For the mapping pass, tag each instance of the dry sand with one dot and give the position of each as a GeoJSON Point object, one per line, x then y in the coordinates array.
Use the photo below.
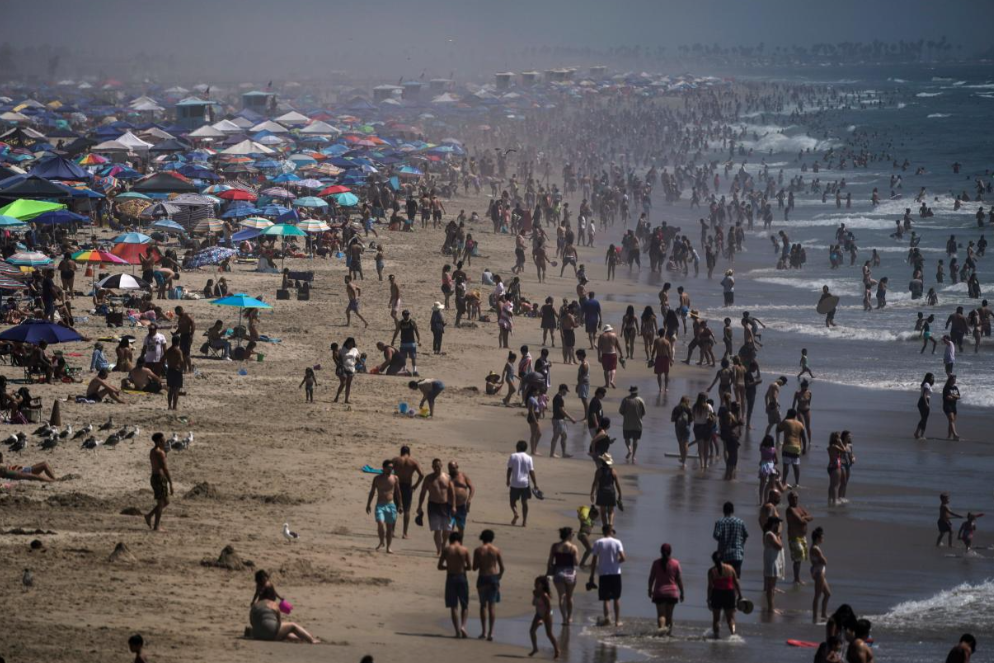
{"type": "Point", "coordinates": [262, 456]}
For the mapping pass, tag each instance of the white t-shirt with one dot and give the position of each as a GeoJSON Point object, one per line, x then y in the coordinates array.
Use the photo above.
{"type": "Point", "coordinates": [608, 551]}
{"type": "Point", "coordinates": [154, 348]}
{"type": "Point", "coordinates": [949, 356]}
{"type": "Point", "coordinates": [520, 464]}
{"type": "Point", "coordinates": [349, 358]}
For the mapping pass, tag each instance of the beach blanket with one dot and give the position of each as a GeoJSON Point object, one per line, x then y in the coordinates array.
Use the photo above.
{"type": "Point", "coordinates": [371, 470]}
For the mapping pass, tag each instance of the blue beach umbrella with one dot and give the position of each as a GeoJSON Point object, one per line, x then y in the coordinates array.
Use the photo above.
{"type": "Point", "coordinates": [132, 238]}
{"type": "Point", "coordinates": [36, 331]}
{"type": "Point", "coordinates": [346, 199]}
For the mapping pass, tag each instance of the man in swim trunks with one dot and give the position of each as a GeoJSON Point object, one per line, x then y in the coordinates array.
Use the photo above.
{"type": "Point", "coordinates": [441, 495]}
{"type": "Point", "coordinates": [174, 373]}
{"type": "Point", "coordinates": [99, 388]}
{"type": "Point", "coordinates": [608, 351]}
{"type": "Point", "coordinates": [797, 533]}
{"type": "Point", "coordinates": [454, 560]}
{"type": "Point", "coordinates": [489, 562]}
{"type": "Point", "coordinates": [773, 406]}
{"type": "Point", "coordinates": [36, 472]}
{"type": "Point", "coordinates": [353, 291]}
{"type": "Point", "coordinates": [465, 491]}
{"type": "Point", "coordinates": [405, 467]}
{"type": "Point", "coordinates": [795, 441]}
{"type": "Point", "coordinates": [395, 303]}
{"type": "Point", "coordinates": [161, 480]}
{"type": "Point", "coordinates": [386, 487]}
{"type": "Point", "coordinates": [591, 309]}
{"type": "Point", "coordinates": [662, 358]}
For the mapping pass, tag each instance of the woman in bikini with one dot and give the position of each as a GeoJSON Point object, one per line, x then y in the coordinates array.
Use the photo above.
{"type": "Point", "coordinates": [819, 565]}
{"type": "Point", "coordinates": [564, 557]}
{"type": "Point", "coordinates": [835, 453]}
{"type": "Point", "coordinates": [802, 403]}
{"type": "Point", "coordinates": [629, 331]}
{"type": "Point", "coordinates": [649, 327]}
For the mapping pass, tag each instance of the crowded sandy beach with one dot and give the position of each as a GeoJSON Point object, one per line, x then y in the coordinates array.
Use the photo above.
{"type": "Point", "coordinates": [589, 363]}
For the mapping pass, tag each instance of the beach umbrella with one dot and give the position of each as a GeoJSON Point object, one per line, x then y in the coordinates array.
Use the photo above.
{"type": "Point", "coordinates": [36, 331]}
{"type": "Point", "coordinates": [10, 222]}
{"type": "Point", "coordinates": [133, 253]}
{"type": "Point", "coordinates": [93, 160]}
{"type": "Point", "coordinates": [240, 209]}
{"type": "Point", "coordinates": [242, 301]}
{"type": "Point", "coordinates": [283, 230]}
{"type": "Point", "coordinates": [168, 225]}
{"type": "Point", "coordinates": [256, 223]}
{"type": "Point", "coordinates": [313, 226]}
{"type": "Point", "coordinates": [310, 201]}
{"type": "Point", "coordinates": [7, 283]}
{"type": "Point", "coordinates": [335, 188]}
{"type": "Point", "coordinates": [238, 194]}
{"type": "Point", "coordinates": [310, 184]}
{"type": "Point", "coordinates": [217, 188]}
{"type": "Point", "coordinates": [209, 226]}
{"type": "Point", "coordinates": [59, 217]}
{"type": "Point", "coordinates": [26, 209]}
{"type": "Point", "coordinates": [278, 192]}
{"type": "Point", "coordinates": [123, 282]}
{"type": "Point", "coordinates": [98, 257]}
{"type": "Point", "coordinates": [244, 234]}
{"type": "Point", "coordinates": [131, 195]}
{"type": "Point", "coordinates": [132, 238]}
{"type": "Point", "coordinates": [346, 199]}
{"type": "Point", "coordinates": [215, 255]}
{"type": "Point", "coordinates": [273, 210]}
{"type": "Point", "coordinates": [29, 259]}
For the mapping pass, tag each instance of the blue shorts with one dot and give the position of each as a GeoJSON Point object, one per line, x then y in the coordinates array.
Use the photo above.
{"type": "Point", "coordinates": [459, 517]}
{"type": "Point", "coordinates": [386, 513]}
{"type": "Point", "coordinates": [409, 350]}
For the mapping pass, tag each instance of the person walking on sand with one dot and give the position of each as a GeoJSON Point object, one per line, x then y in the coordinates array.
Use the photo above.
{"type": "Point", "coordinates": [388, 504]}
{"type": "Point", "coordinates": [608, 354]}
{"type": "Point", "coordinates": [542, 600]}
{"type": "Point", "coordinates": [797, 534]}
{"type": "Point", "coordinates": [174, 363]}
{"type": "Point", "coordinates": [724, 593]}
{"type": "Point", "coordinates": [465, 492]}
{"type": "Point", "coordinates": [454, 560]}
{"type": "Point", "coordinates": [772, 402]}
{"type": "Point", "coordinates": [730, 533]}
{"type": "Point", "coordinates": [395, 303]}
{"type": "Point", "coordinates": [559, 417]}
{"type": "Point", "coordinates": [405, 468]}
{"type": "Point", "coordinates": [162, 481]}
{"type": "Point", "coordinates": [564, 558]}
{"type": "Point", "coordinates": [591, 309]}
{"type": "Point", "coordinates": [354, 292]}
{"type": "Point", "coordinates": [819, 568]}
{"type": "Point", "coordinates": [632, 412]}
{"type": "Point", "coordinates": [665, 588]}
{"type": "Point", "coordinates": [441, 494]}
{"type": "Point", "coordinates": [605, 492]}
{"type": "Point", "coordinates": [609, 555]}
{"type": "Point", "coordinates": [772, 565]}
{"type": "Point", "coordinates": [662, 359]}
{"type": "Point", "coordinates": [520, 479]}
{"type": "Point", "coordinates": [489, 564]}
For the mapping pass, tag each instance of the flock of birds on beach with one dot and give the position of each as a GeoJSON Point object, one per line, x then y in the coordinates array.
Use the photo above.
{"type": "Point", "coordinates": [50, 437]}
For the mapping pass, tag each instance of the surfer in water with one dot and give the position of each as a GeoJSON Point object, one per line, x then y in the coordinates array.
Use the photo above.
{"type": "Point", "coordinates": [827, 305]}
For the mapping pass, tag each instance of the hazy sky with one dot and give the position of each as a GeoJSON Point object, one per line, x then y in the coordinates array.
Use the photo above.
{"type": "Point", "coordinates": [249, 37]}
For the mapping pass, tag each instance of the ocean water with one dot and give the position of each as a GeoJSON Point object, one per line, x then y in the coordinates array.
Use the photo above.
{"type": "Point", "coordinates": [933, 116]}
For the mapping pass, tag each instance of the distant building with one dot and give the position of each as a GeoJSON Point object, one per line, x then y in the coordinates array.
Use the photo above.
{"type": "Point", "coordinates": [439, 85]}
{"type": "Point", "coordinates": [384, 92]}
{"type": "Point", "coordinates": [529, 78]}
{"type": "Point", "coordinates": [412, 90]}
{"type": "Point", "coordinates": [194, 112]}
{"type": "Point", "coordinates": [259, 102]}
{"type": "Point", "coordinates": [598, 72]}
{"type": "Point", "coordinates": [503, 80]}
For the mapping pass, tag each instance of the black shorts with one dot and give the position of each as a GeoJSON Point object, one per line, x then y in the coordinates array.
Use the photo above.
{"type": "Point", "coordinates": [406, 494]}
{"type": "Point", "coordinates": [185, 343]}
{"type": "Point", "coordinates": [723, 599]}
{"type": "Point", "coordinates": [456, 591]}
{"type": "Point", "coordinates": [174, 379]}
{"type": "Point", "coordinates": [665, 600]}
{"type": "Point", "coordinates": [523, 494]}
{"type": "Point", "coordinates": [632, 434]}
{"type": "Point", "coordinates": [609, 588]}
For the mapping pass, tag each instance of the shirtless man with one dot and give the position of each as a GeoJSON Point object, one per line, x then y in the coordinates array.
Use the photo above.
{"type": "Point", "coordinates": [465, 491]}
{"type": "Point", "coordinates": [661, 359]}
{"type": "Point", "coordinates": [441, 495]}
{"type": "Point", "coordinates": [354, 292]}
{"type": "Point", "coordinates": [490, 564]}
{"type": "Point", "coordinates": [99, 388]}
{"type": "Point", "coordinates": [162, 481]}
{"type": "Point", "coordinates": [174, 373]}
{"type": "Point", "coordinates": [405, 467]}
{"type": "Point", "coordinates": [797, 534]}
{"type": "Point", "coordinates": [37, 472]}
{"type": "Point", "coordinates": [769, 510]}
{"type": "Point", "coordinates": [395, 303]}
{"type": "Point", "coordinates": [141, 378]}
{"type": "Point", "coordinates": [454, 560]}
{"type": "Point", "coordinates": [772, 402]}
{"type": "Point", "coordinates": [386, 487]}
{"type": "Point", "coordinates": [795, 443]}
{"type": "Point", "coordinates": [684, 307]}
{"type": "Point", "coordinates": [859, 651]}
{"type": "Point", "coordinates": [608, 351]}
{"type": "Point", "coordinates": [726, 381]}
{"type": "Point", "coordinates": [185, 327]}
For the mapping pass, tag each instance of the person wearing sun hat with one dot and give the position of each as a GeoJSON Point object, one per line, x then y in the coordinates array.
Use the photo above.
{"type": "Point", "coordinates": [605, 492]}
{"type": "Point", "coordinates": [437, 326]}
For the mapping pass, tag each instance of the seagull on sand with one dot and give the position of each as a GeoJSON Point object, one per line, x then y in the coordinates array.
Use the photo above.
{"type": "Point", "coordinates": [289, 535]}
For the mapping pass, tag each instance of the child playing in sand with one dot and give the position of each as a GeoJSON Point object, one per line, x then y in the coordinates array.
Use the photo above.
{"type": "Point", "coordinates": [805, 366]}
{"type": "Point", "coordinates": [542, 600]}
{"type": "Point", "coordinates": [968, 529]}
{"type": "Point", "coordinates": [308, 383]}
{"type": "Point", "coordinates": [945, 523]}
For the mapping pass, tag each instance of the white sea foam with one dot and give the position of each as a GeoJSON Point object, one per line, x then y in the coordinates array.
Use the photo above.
{"type": "Point", "coordinates": [897, 80]}
{"type": "Point", "coordinates": [938, 115]}
{"type": "Point", "coordinates": [928, 94]}
{"type": "Point", "coordinates": [840, 331]}
{"type": "Point", "coordinates": [966, 607]}
{"type": "Point", "coordinates": [958, 83]}
{"type": "Point", "coordinates": [981, 86]}
{"type": "Point", "coordinates": [901, 105]}
{"type": "Point", "coordinates": [940, 79]}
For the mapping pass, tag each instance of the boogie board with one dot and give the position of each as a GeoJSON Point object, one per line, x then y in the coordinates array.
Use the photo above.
{"type": "Point", "coordinates": [827, 304]}
{"type": "Point", "coordinates": [802, 643]}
